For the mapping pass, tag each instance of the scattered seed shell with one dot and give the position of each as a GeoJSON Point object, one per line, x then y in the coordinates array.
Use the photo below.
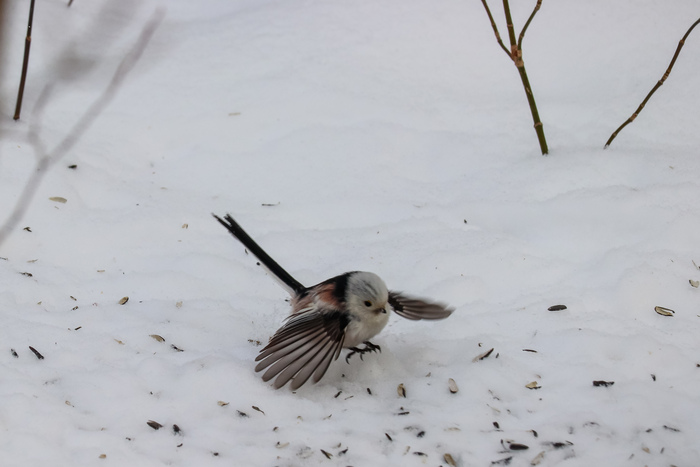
{"type": "Point", "coordinates": [664, 311]}
{"type": "Point", "coordinates": [58, 199]}
{"type": "Point", "coordinates": [695, 284]}
{"type": "Point", "coordinates": [517, 446]}
{"type": "Point", "coordinates": [602, 383]}
{"type": "Point", "coordinates": [153, 424]}
{"type": "Point", "coordinates": [223, 404]}
{"type": "Point", "coordinates": [36, 352]}
{"type": "Point", "coordinates": [157, 337]}
{"type": "Point", "coordinates": [483, 355]}
{"type": "Point", "coordinates": [401, 390]}
{"type": "Point", "coordinates": [537, 459]}
{"type": "Point", "coordinates": [556, 308]}
{"type": "Point", "coordinates": [532, 385]}
{"type": "Point", "coordinates": [103, 456]}
{"type": "Point", "coordinates": [123, 300]}
{"type": "Point", "coordinates": [449, 460]}
{"type": "Point", "coordinates": [452, 385]}
{"type": "Point", "coordinates": [504, 461]}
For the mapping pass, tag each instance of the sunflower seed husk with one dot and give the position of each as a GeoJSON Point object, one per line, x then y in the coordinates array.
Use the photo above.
{"type": "Point", "coordinates": [664, 311]}
{"type": "Point", "coordinates": [153, 424]}
{"type": "Point", "coordinates": [401, 390]}
{"type": "Point", "coordinates": [36, 352]}
{"type": "Point", "coordinates": [538, 458]}
{"type": "Point", "coordinates": [483, 355]}
{"type": "Point", "coordinates": [452, 385]}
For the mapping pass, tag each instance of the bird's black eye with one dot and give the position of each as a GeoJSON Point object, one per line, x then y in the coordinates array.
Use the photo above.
{"type": "Point", "coordinates": [368, 303]}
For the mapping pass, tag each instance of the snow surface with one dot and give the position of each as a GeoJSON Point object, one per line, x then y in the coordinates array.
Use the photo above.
{"type": "Point", "coordinates": [391, 136]}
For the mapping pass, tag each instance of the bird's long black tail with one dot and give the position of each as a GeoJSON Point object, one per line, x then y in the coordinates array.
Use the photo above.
{"type": "Point", "coordinates": [283, 276]}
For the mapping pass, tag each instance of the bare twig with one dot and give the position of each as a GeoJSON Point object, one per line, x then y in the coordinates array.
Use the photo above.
{"type": "Point", "coordinates": [495, 28]}
{"type": "Point", "coordinates": [516, 54]}
{"type": "Point", "coordinates": [46, 160]}
{"type": "Point", "coordinates": [657, 86]}
{"type": "Point", "coordinates": [527, 23]}
{"type": "Point", "coordinates": [25, 62]}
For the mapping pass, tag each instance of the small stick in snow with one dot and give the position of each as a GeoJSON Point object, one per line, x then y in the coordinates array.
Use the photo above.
{"type": "Point", "coordinates": [657, 86]}
{"type": "Point", "coordinates": [25, 61]}
{"type": "Point", "coordinates": [516, 54]}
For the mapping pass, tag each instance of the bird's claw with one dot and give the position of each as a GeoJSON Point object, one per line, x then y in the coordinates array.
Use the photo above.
{"type": "Point", "coordinates": [369, 347]}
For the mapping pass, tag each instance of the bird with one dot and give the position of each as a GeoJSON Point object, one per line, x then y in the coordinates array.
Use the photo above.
{"type": "Point", "coordinates": [344, 311]}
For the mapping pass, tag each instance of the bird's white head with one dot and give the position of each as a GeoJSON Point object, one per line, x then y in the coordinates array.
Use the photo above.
{"type": "Point", "coordinates": [366, 293]}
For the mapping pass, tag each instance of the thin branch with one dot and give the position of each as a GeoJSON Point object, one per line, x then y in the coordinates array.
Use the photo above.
{"type": "Point", "coordinates": [657, 86]}
{"type": "Point", "coordinates": [516, 54]}
{"type": "Point", "coordinates": [509, 25]}
{"type": "Point", "coordinates": [82, 125]}
{"type": "Point", "coordinates": [495, 28]}
{"type": "Point", "coordinates": [25, 62]}
{"type": "Point", "coordinates": [527, 23]}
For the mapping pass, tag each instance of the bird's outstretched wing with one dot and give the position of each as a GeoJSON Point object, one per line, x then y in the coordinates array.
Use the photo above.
{"type": "Point", "coordinates": [417, 308]}
{"type": "Point", "coordinates": [306, 345]}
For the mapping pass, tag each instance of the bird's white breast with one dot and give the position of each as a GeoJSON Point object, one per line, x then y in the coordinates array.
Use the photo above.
{"type": "Point", "coordinates": [359, 331]}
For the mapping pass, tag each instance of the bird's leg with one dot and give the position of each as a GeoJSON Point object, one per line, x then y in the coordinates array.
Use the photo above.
{"type": "Point", "coordinates": [369, 347]}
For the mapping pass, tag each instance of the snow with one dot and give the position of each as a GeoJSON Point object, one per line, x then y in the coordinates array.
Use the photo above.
{"type": "Point", "coordinates": [386, 136]}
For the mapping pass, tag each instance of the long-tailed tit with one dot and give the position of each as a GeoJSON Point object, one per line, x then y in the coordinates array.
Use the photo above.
{"type": "Point", "coordinates": [341, 312]}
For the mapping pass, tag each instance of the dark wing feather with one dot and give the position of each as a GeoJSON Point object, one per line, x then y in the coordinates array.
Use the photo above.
{"type": "Point", "coordinates": [306, 345]}
{"type": "Point", "coordinates": [417, 308]}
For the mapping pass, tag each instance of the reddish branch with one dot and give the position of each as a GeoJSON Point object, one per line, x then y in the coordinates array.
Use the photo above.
{"type": "Point", "coordinates": [657, 86]}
